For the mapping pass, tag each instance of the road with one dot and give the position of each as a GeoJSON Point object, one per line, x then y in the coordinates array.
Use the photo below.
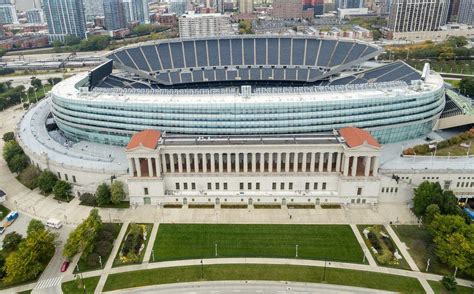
{"type": "Point", "coordinates": [26, 79]}
{"type": "Point", "coordinates": [249, 287]}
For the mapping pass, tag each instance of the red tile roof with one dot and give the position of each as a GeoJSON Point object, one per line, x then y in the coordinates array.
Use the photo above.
{"type": "Point", "coordinates": [147, 138]}
{"type": "Point", "coordinates": [355, 137]}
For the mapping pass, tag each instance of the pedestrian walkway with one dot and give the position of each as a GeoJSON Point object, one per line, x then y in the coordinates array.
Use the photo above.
{"type": "Point", "coordinates": [151, 242]}
{"type": "Point", "coordinates": [362, 244]}
{"type": "Point", "coordinates": [110, 262]}
{"type": "Point", "coordinates": [48, 283]}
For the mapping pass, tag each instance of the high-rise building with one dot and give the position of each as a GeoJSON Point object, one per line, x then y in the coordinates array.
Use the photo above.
{"type": "Point", "coordinates": [93, 8]}
{"type": "Point", "coordinates": [316, 5]}
{"type": "Point", "coordinates": [115, 17]}
{"type": "Point", "coordinates": [350, 4]}
{"type": "Point", "coordinates": [35, 15]}
{"type": "Point", "coordinates": [417, 15]}
{"type": "Point", "coordinates": [245, 6]}
{"type": "Point", "coordinates": [136, 10]}
{"type": "Point", "coordinates": [7, 12]}
{"type": "Point", "coordinates": [453, 10]}
{"type": "Point", "coordinates": [178, 7]}
{"type": "Point", "coordinates": [204, 25]}
{"type": "Point", "coordinates": [65, 17]}
{"type": "Point", "coordinates": [466, 12]}
{"type": "Point", "coordinates": [24, 5]}
{"type": "Point", "coordinates": [287, 9]}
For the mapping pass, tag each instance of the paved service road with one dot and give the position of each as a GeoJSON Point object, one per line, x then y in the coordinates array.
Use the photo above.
{"type": "Point", "coordinates": [250, 288]}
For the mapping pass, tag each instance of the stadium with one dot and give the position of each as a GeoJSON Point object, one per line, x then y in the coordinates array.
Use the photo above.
{"type": "Point", "coordinates": [247, 85]}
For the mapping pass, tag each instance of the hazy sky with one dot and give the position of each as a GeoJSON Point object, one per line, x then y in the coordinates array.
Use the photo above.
{"type": "Point", "coordinates": [23, 5]}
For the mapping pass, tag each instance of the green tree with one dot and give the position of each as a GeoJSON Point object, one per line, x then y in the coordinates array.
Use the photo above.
{"type": "Point", "coordinates": [71, 40]}
{"type": "Point", "coordinates": [466, 86]}
{"type": "Point", "coordinates": [12, 241]}
{"type": "Point", "coordinates": [54, 81]}
{"type": "Point", "coordinates": [2, 52]}
{"type": "Point", "coordinates": [81, 239]}
{"type": "Point", "coordinates": [62, 190]}
{"type": "Point", "coordinates": [36, 83]}
{"type": "Point", "coordinates": [57, 45]}
{"type": "Point", "coordinates": [18, 163]}
{"type": "Point", "coordinates": [102, 194]}
{"type": "Point", "coordinates": [431, 211]}
{"type": "Point", "coordinates": [33, 226]}
{"type": "Point", "coordinates": [424, 195]}
{"type": "Point", "coordinates": [10, 149]}
{"type": "Point", "coordinates": [8, 136]}
{"type": "Point", "coordinates": [449, 282]}
{"type": "Point", "coordinates": [116, 192]}
{"type": "Point", "coordinates": [31, 258]}
{"type": "Point", "coordinates": [46, 181]}
{"type": "Point", "coordinates": [95, 43]}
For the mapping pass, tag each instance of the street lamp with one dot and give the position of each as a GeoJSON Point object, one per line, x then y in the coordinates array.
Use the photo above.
{"type": "Point", "coordinates": [202, 270]}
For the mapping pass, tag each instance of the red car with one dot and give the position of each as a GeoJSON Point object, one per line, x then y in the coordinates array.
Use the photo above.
{"type": "Point", "coordinates": [64, 266]}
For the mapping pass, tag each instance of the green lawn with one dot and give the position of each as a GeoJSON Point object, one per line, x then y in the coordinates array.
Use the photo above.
{"type": "Point", "coordinates": [403, 264]}
{"type": "Point", "coordinates": [454, 83]}
{"type": "Point", "coordinates": [194, 241]}
{"type": "Point", "coordinates": [4, 211]}
{"type": "Point", "coordinates": [262, 272]}
{"type": "Point", "coordinates": [118, 262]}
{"type": "Point", "coordinates": [456, 150]}
{"type": "Point", "coordinates": [72, 286]}
{"type": "Point", "coordinates": [421, 248]}
{"type": "Point", "coordinates": [438, 288]}
{"type": "Point", "coordinates": [449, 66]}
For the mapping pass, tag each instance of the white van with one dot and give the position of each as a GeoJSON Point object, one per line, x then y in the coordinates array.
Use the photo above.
{"type": "Point", "coordinates": [54, 223]}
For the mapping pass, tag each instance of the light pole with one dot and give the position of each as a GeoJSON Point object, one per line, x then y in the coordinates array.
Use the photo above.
{"type": "Point", "coordinates": [427, 265]}
{"type": "Point", "coordinates": [202, 270]}
{"type": "Point", "coordinates": [216, 249]}
{"type": "Point", "coordinates": [296, 251]}
{"type": "Point", "coordinates": [153, 255]}
{"type": "Point", "coordinates": [100, 261]}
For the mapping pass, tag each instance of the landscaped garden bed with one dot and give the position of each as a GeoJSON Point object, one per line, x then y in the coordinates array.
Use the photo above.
{"type": "Point", "coordinates": [267, 206]}
{"type": "Point", "coordinates": [330, 206]}
{"type": "Point", "coordinates": [234, 206]}
{"type": "Point", "coordinates": [134, 244]}
{"type": "Point", "coordinates": [301, 206]}
{"type": "Point", "coordinates": [382, 247]}
{"type": "Point", "coordinates": [173, 206]}
{"type": "Point", "coordinates": [201, 206]}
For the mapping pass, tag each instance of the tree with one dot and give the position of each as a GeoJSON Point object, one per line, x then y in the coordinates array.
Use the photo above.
{"type": "Point", "coordinates": [8, 136]}
{"type": "Point", "coordinates": [95, 43]}
{"type": "Point", "coordinates": [82, 238]}
{"type": "Point", "coordinates": [2, 52]}
{"type": "Point", "coordinates": [71, 40]}
{"type": "Point", "coordinates": [46, 181]}
{"type": "Point", "coordinates": [424, 195]}
{"type": "Point", "coordinates": [12, 241]}
{"type": "Point", "coordinates": [88, 199]}
{"type": "Point", "coordinates": [10, 149]}
{"type": "Point", "coordinates": [57, 45]}
{"type": "Point", "coordinates": [466, 86]}
{"type": "Point", "coordinates": [18, 163]}
{"type": "Point", "coordinates": [31, 258]}
{"type": "Point", "coordinates": [116, 192]}
{"type": "Point", "coordinates": [33, 226]}
{"type": "Point", "coordinates": [54, 81]}
{"type": "Point", "coordinates": [431, 211]}
{"type": "Point", "coordinates": [62, 190]}
{"type": "Point", "coordinates": [449, 282]}
{"type": "Point", "coordinates": [102, 194]}
{"type": "Point", "coordinates": [36, 83]}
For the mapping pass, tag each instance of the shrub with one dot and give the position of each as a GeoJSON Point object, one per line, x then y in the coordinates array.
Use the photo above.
{"type": "Point", "coordinates": [409, 151]}
{"type": "Point", "coordinates": [111, 228]}
{"type": "Point", "coordinates": [449, 282]}
{"type": "Point", "coordinates": [421, 149]}
{"type": "Point", "coordinates": [88, 199]}
{"type": "Point", "coordinates": [62, 190]}
{"type": "Point", "coordinates": [134, 240]}
{"type": "Point", "coordinates": [389, 244]}
{"type": "Point", "coordinates": [117, 193]}
{"type": "Point", "coordinates": [8, 136]}
{"type": "Point", "coordinates": [10, 149]}
{"type": "Point", "coordinates": [46, 181]}
{"type": "Point", "coordinates": [103, 248]}
{"type": "Point", "coordinates": [374, 240]}
{"type": "Point", "coordinates": [105, 236]}
{"type": "Point", "coordinates": [443, 144]}
{"type": "Point", "coordinates": [18, 163]}
{"type": "Point", "coordinates": [93, 259]}
{"type": "Point", "coordinates": [29, 177]}
{"type": "Point", "coordinates": [102, 194]}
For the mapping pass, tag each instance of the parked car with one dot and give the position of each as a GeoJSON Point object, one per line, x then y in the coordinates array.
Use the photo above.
{"type": "Point", "coordinates": [2, 229]}
{"type": "Point", "coordinates": [64, 266]}
{"type": "Point", "coordinates": [3, 196]}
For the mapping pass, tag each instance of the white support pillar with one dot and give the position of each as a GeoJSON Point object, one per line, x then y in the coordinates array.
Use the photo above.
{"type": "Point", "coordinates": [213, 163]}
{"type": "Point", "coordinates": [278, 162]}
{"type": "Point", "coordinates": [303, 167]}
{"type": "Point", "coordinates": [262, 162]}
{"type": "Point", "coordinates": [354, 166]}
{"type": "Point", "coordinates": [196, 162]}
{"type": "Point", "coordinates": [131, 167]}
{"type": "Point", "coordinates": [295, 162]}
{"type": "Point", "coordinates": [287, 162]}
{"type": "Point", "coordinates": [158, 166]}
{"type": "Point", "coordinates": [321, 162]}
{"type": "Point", "coordinates": [375, 171]}
{"type": "Point", "coordinates": [270, 162]}
{"type": "Point", "coordinates": [254, 162]}
{"type": "Point", "coordinates": [138, 167]}
{"type": "Point", "coordinates": [163, 160]}
{"type": "Point", "coordinates": [204, 162]}
{"type": "Point", "coordinates": [330, 155]}
{"type": "Point", "coordinates": [368, 163]}
{"type": "Point", "coordinates": [338, 162]}
{"type": "Point", "coordinates": [313, 162]}
{"type": "Point", "coordinates": [221, 163]}
{"type": "Point", "coordinates": [246, 163]}
{"type": "Point", "coordinates": [172, 167]}
{"type": "Point", "coordinates": [237, 162]}
{"type": "Point", "coordinates": [346, 165]}
{"type": "Point", "coordinates": [229, 162]}
{"type": "Point", "coordinates": [188, 163]}
{"type": "Point", "coordinates": [150, 167]}
{"type": "Point", "coordinates": [180, 163]}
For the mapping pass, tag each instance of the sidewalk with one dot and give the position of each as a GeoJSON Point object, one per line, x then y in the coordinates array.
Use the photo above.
{"type": "Point", "coordinates": [151, 242]}
{"type": "Point", "coordinates": [362, 244]}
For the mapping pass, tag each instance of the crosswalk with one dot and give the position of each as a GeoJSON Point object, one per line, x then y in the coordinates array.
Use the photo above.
{"type": "Point", "coordinates": [48, 283]}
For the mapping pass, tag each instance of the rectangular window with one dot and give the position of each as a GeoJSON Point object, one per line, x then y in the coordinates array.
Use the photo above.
{"type": "Point", "coordinates": [217, 186]}
{"type": "Point", "coordinates": [225, 186]}
{"type": "Point", "coordinates": [193, 186]}
{"type": "Point", "coordinates": [383, 189]}
{"type": "Point", "coordinates": [257, 186]}
{"type": "Point", "coordinates": [66, 177]}
{"type": "Point", "coordinates": [472, 184]}
{"type": "Point", "coordinates": [209, 186]}
{"type": "Point", "coordinates": [462, 184]}
{"type": "Point", "coordinates": [249, 186]}
{"type": "Point", "coordinates": [315, 186]}
{"type": "Point", "coordinates": [447, 184]}
{"type": "Point", "coordinates": [59, 175]}
{"type": "Point", "coordinates": [306, 186]}
{"type": "Point", "coordinates": [185, 186]}
{"type": "Point", "coordinates": [324, 185]}
{"type": "Point", "coordinates": [457, 184]}
{"type": "Point", "coordinates": [391, 190]}
{"type": "Point", "coordinates": [177, 186]}
{"type": "Point", "coordinates": [290, 186]}
{"type": "Point", "coordinates": [396, 189]}
{"type": "Point", "coordinates": [74, 179]}
{"type": "Point", "coordinates": [359, 191]}
{"type": "Point", "coordinates": [241, 186]}
{"type": "Point", "coordinates": [145, 191]}
{"type": "Point", "coordinates": [274, 186]}
{"type": "Point", "coordinates": [282, 186]}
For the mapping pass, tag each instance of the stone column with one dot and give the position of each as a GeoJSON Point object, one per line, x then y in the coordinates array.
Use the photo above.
{"type": "Point", "coordinates": [229, 163]}
{"type": "Point", "coordinates": [375, 170]}
{"type": "Point", "coordinates": [246, 163]}
{"type": "Point", "coordinates": [262, 162]}
{"type": "Point", "coordinates": [330, 155]}
{"type": "Point", "coordinates": [163, 160]}
{"type": "Point", "coordinates": [138, 167]}
{"type": "Point", "coordinates": [213, 163]}
{"type": "Point", "coordinates": [150, 167]}
{"type": "Point", "coordinates": [295, 162]}
{"type": "Point", "coordinates": [204, 162]}
{"type": "Point", "coordinates": [354, 166]}
{"type": "Point", "coordinates": [346, 165]}
{"type": "Point", "coordinates": [158, 165]}
{"type": "Point", "coordinates": [172, 162]}
{"type": "Point", "coordinates": [338, 162]}
{"type": "Point", "coordinates": [313, 162]}
{"type": "Point", "coordinates": [196, 162]}
{"type": "Point", "coordinates": [278, 162]}
{"type": "Point", "coordinates": [303, 167]}
{"type": "Point", "coordinates": [368, 163]}
{"type": "Point", "coordinates": [254, 162]}
{"type": "Point", "coordinates": [131, 167]}
{"type": "Point", "coordinates": [321, 161]}
{"type": "Point", "coordinates": [270, 162]}
{"type": "Point", "coordinates": [287, 162]}
{"type": "Point", "coordinates": [188, 163]}
{"type": "Point", "coordinates": [180, 163]}
{"type": "Point", "coordinates": [237, 162]}
{"type": "Point", "coordinates": [221, 163]}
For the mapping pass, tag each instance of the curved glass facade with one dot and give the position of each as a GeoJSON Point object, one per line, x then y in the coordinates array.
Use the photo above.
{"type": "Point", "coordinates": [388, 118]}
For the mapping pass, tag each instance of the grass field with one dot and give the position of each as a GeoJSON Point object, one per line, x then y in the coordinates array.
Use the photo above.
{"type": "Point", "coordinates": [194, 241]}
{"type": "Point", "coordinates": [438, 288]}
{"type": "Point", "coordinates": [72, 286]}
{"type": "Point", "coordinates": [263, 272]}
